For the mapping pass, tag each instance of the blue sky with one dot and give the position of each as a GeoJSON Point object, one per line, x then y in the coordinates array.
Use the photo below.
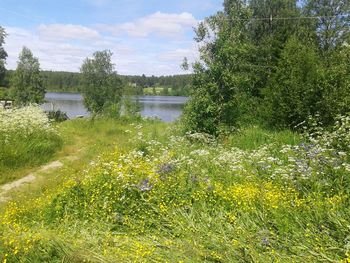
{"type": "Point", "coordinates": [146, 36]}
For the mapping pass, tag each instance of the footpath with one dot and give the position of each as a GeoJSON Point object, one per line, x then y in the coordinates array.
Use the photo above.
{"type": "Point", "coordinates": [30, 178]}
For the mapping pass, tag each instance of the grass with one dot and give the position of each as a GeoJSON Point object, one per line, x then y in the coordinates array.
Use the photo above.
{"type": "Point", "coordinates": [100, 135]}
{"type": "Point", "coordinates": [158, 90]}
{"type": "Point", "coordinates": [27, 140]}
{"type": "Point", "coordinates": [141, 192]}
{"type": "Point", "coordinates": [252, 137]}
{"type": "Point", "coordinates": [25, 154]}
{"type": "Point", "coordinates": [81, 140]}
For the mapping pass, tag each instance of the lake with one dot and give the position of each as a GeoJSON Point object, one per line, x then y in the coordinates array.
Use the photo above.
{"type": "Point", "coordinates": [167, 108]}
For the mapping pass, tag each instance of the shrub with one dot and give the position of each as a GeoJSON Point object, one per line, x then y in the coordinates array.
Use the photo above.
{"type": "Point", "coordinates": [57, 115]}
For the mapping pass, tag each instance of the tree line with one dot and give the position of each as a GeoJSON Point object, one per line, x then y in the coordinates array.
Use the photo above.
{"type": "Point", "coordinates": [60, 81]}
{"type": "Point", "coordinates": [176, 85]}
{"type": "Point", "coordinates": [274, 62]}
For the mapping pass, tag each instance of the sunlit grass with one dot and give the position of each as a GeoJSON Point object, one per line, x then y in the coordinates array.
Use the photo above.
{"type": "Point", "coordinates": [155, 91]}
{"type": "Point", "coordinates": [141, 192]}
{"type": "Point", "coordinates": [252, 137]}
{"type": "Point", "coordinates": [27, 139]}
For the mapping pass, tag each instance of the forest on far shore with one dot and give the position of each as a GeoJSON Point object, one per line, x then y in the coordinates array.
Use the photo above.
{"type": "Point", "coordinates": [60, 81]}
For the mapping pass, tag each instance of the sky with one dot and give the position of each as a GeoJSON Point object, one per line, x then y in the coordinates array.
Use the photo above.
{"type": "Point", "coordinates": [146, 36]}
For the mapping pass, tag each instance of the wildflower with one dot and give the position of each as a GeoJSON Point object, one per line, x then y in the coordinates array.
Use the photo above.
{"type": "Point", "coordinates": [165, 168]}
{"type": "Point", "coordinates": [24, 121]}
{"type": "Point", "coordinates": [145, 185]}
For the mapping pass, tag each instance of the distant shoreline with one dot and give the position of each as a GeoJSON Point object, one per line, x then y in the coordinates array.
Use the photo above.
{"type": "Point", "coordinates": [61, 91]}
{"type": "Point", "coordinates": [153, 95]}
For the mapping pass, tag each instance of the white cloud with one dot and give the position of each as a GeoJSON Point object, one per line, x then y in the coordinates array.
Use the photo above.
{"type": "Point", "coordinates": [169, 61]}
{"type": "Point", "coordinates": [64, 47]}
{"type": "Point", "coordinates": [53, 54]}
{"type": "Point", "coordinates": [67, 31]}
{"type": "Point", "coordinates": [179, 54]}
{"type": "Point", "coordinates": [160, 24]}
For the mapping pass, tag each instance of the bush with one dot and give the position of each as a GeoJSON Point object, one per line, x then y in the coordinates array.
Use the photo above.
{"type": "Point", "coordinates": [4, 93]}
{"type": "Point", "coordinates": [294, 92]}
{"type": "Point", "coordinates": [57, 116]}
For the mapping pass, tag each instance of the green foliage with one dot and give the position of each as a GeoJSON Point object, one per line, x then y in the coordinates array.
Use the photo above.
{"type": "Point", "coordinates": [235, 66]}
{"type": "Point", "coordinates": [26, 82]}
{"type": "Point", "coordinates": [132, 89]}
{"type": "Point", "coordinates": [295, 91]}
{"type": "Point", "coordinates": [33, 150]}
{"type": "Point", "coordinates": [131, 107]}
{"type": "Point", "coordinates": [335, 85]}
{"type": "Point", "coordinates": [57, 81]}
{"type": "Point", "coordinates": [7, 78]}
{"type": "Point", "coordinates": [101, 86]}
{"type": "Point", "coordinates": [111, 110]}
{"type": "Point", "coordinates": [263, 60]}
{"type": "Point", "coordinates": [305, 84]}
{"type": "Point", "coordinates": [4, 93]}
{"type": "Point", "coordinates": [333, 29]}
{"type": "Point", "coordinates": [57, 115]}
{"type": "Point", "coordinates": [203, 113]}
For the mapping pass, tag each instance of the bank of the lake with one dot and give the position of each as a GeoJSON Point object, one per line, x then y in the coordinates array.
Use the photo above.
{"type": "Point", "coordinates": [167, 108]}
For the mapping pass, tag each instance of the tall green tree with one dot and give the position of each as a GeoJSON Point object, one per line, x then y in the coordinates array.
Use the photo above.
{"type": "Point", "coordinates": [100, 84]}
{"type": "Point", "coordinates": [291, 54]}
{"type": "Point", "coordinates": [333, 25]}
{"type": "Point", "coordinates": [336, 85]}
{"type": "Point", "coordinates": [272, 23]}
{"type": "Point", "coordinates": [240, 48]}
{"type": "Point", "coordinates": [26, 82]}
{"type": "Point", "coordinates": [3, 55]}
{"type": "Point", "coordinates": [221, 76]}
{"type": "Point", "coordinates": [295, 90]}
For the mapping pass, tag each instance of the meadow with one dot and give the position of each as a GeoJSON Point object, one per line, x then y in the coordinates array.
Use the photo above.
{"type": "Point", "coordinates": [27, 139]}
{"type": "Point", "coordinates": [143, 191]}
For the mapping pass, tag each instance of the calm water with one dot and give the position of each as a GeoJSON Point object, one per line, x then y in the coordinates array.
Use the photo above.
{"type": "Point", "coordinates": [167, 108]}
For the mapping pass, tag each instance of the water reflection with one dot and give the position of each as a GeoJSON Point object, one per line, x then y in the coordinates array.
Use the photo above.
{"type": "Point", "coordinates": [167, 108]}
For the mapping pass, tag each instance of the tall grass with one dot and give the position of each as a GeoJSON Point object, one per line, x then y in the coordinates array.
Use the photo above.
{"type": "Point", "coordinates": [27, 138]}
{"type": "Point", "coordinates": [162, 197]}
{"type": "Point", "coordinates": [253, 137]}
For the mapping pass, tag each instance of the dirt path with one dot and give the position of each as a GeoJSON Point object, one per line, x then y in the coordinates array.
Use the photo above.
{"type": "Point", "coordinates": [30, 178]}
